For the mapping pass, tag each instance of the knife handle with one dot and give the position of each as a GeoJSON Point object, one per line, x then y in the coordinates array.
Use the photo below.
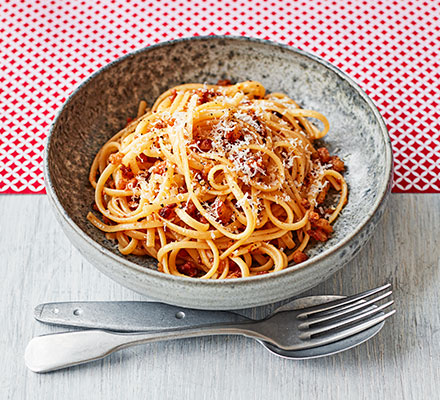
{"type": "Point", "coordinates": [131, 316]}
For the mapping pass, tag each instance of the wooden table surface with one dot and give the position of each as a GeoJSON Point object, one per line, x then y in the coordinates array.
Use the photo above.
{"type": "Point", "coordinates": [38, 264]}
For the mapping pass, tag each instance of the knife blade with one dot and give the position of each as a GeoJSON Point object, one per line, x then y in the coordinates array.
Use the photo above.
{"type": "Point", "coordinates": [130, 316]}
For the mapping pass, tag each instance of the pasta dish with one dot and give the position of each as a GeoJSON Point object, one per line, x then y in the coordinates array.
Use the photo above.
{"type": "Point", "coordinates": [218, 181]}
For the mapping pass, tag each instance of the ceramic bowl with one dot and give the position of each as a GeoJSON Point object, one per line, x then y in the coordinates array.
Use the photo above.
{"type": "Point", "coordinates": [101, 105]}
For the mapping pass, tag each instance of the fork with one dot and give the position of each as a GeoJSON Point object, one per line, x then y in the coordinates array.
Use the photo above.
{"type": "Point", "coordinates": [285, 329]}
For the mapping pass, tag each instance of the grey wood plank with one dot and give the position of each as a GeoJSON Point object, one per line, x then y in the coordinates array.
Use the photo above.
{"type": "Point", "coordinates": [38, 264]}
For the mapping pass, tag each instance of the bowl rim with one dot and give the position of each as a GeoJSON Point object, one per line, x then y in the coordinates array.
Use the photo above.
{"type": "Point", "coordinates": [154, 274]}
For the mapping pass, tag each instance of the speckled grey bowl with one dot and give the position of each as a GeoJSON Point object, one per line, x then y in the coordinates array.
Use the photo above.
{"type": "Point", "coordinates": [101, 105]}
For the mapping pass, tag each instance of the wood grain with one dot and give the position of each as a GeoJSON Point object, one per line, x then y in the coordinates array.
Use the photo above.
{"type": "Point", "coordinates": [38, 264]}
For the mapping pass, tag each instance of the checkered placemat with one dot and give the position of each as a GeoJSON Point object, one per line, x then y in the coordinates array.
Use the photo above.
{"type": "Point", "coordinates": [391, 48]}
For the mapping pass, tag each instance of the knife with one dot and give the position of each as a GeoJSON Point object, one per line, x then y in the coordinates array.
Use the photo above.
{"type": "Point", "coordinates": [131, 316]}
{"type": "Point", "coordinates": [135, 316]}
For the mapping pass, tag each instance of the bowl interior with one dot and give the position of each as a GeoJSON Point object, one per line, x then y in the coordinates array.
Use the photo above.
{"type": "Point", "coordinates": [100, 107]}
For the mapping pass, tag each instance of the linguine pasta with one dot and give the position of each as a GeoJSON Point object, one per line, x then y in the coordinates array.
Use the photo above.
{"type": "Point", "coordinates": [218, 181]}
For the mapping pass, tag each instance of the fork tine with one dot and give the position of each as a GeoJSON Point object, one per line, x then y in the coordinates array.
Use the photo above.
{"type": "Point", "coordinates": [320, 341]}
{"type": "Point", "coordinates": [339, 312]}
{"type": "Point", "coordinates": [338, 303]}
{"type": "Point", "coordinates": [358, 317]}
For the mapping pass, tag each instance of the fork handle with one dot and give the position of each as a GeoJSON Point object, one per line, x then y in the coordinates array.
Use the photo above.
{"type": "Point", "coordinates": [60, 350]}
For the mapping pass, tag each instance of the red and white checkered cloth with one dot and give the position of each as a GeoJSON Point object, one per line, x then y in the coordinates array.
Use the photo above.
{"type": "Point", "coordinates": [391, 48]}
